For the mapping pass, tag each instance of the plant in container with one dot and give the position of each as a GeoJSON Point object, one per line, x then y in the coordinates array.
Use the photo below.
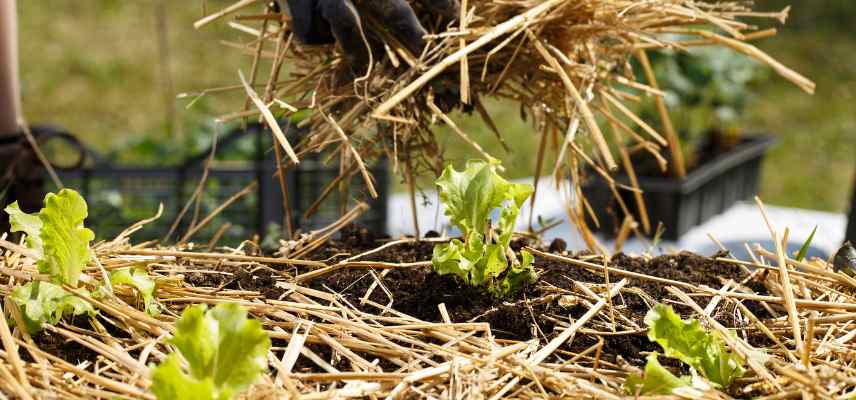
{"type": "Point", "coordinates": [711, 163]}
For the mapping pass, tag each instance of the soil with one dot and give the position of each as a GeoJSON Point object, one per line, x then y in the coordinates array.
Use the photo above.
{"type": "Point", "coordinates": [419, 291]}
{"type": "Point", "coordinates": [62, 347]}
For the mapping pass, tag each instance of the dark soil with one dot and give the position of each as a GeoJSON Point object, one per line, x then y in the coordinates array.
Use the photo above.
{"type": "Point", "coordinates": [61, 347]}
{"type": "Point", "coordinates": [419, 291]}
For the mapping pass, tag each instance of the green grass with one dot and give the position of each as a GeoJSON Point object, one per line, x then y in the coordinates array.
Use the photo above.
{"type": "Point", "coordinates": [814, 162]}
{"type": "Point", "coordinates": [92, 67]}
{"type": "Point", "coordinates": [94, 70]}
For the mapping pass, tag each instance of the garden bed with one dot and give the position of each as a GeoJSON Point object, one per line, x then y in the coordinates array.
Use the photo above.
{"type": "Point", "coordinates": [366, 315]}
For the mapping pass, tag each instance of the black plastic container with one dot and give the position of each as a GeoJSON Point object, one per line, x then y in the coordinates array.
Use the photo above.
{"type": "Point", "coordinates": [682, 204]}
{"type": "Point", "coordinates": [120, 195]}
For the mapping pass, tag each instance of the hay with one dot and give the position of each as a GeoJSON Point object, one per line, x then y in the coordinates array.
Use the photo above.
{"type": "Point", "coordinates": [346, 351]}
{"type": "Point", "coordinates": [565, 63]}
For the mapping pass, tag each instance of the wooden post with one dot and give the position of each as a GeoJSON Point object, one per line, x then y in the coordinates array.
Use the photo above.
{"type": "Point", "coordinates": [10, 95]}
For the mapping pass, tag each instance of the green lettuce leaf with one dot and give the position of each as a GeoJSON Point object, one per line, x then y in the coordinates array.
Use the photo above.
{"type": "Point", "coordinates": [448, 258]}
{"type": "Point", "coordinates": [29, 224]}
{"type": "Point", "coordinates": [225, 353]}
{"type": "Point", "coordinates": [61, 244]}
{"type": "Point", "coordinates": [169, 382]}
{"type": "Point", "coordinates": [655, 380]}
{"type": "Point", "coordinates": [470, 195]}
{"type": "Point", "coordinates": [516, 276]}
{"type": "Point", "coordinates": [689, 342]}
{"type": "Point", "coordinates": [493, 264]}
{"type": "Point", "coordinates": [139, 279]}
{"type": "Point", "coordinates": [517, 195]}
{"type": "Point", "coordinates": [481, 259]}
{"type": "Point", "coordinates": [65, 240]}
{"type": "Point", "coordinates": [43, 302]}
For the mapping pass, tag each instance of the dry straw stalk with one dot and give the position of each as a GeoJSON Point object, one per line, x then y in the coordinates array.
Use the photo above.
{"type": "Point", "coordinates": [565, 63]}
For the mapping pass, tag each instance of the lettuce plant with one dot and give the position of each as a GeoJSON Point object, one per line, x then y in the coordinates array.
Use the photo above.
{"type": "Point", "coordinates": [138, 279]}
{"type": "Point", "coordinates": [484, 257]}
{"type": "Point", "coordinates": [224, 352]}
{"type": "Point", "coordinates": [60, 242]}
{"type": "Point", "coordinates": [56, 234]}
{"type": "Point", "coordinates": [655, 380]}
{"type": "Point", "coordinates": [47, 303]}
{"type": "Point", "coordinates": [704, 352]}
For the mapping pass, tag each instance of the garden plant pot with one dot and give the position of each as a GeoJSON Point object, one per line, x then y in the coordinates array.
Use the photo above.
{"type": "Point", "coordinates": [680, 205]}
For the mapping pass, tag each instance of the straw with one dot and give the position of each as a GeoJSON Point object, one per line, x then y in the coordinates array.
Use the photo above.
{"type": "Point", "coordinates": [559, 61]}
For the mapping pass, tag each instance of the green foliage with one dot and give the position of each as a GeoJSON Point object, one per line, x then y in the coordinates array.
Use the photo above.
{"type": "Point", "coordinates": [56, 234]}
{"type": "Point", "coordinates": [482, 259]}
{"type": "Point", "coordinates": [705, 352]}
{"type": "Point", "coordinates": [139, 279]}
{"type": "Point", "coordinates": [705, 87]}
{"type": "Point", "coordinates": [804, 248]}
{"type": "Point", "coordinates": [65, 240]}
{"type": "Point", "coordinates": [60, 242]}
{"type": "Point", "coordinates": [225, 353]}
{"type": "Point", "coordinates": [689, 342]}
{"type": "Point", "coordinates": [273, 234]}
{"type": "Point", "coordinates": [29, 224]}
{"type": "Point", "coordinates": [44, 302]}
{"type": "Point", "coordinates": [656, 380]}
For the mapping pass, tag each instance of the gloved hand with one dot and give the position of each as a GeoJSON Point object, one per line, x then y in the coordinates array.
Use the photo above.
{"type": "Point", "coordinates": [329, 21]}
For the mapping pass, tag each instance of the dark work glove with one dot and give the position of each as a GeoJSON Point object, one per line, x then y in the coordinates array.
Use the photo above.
{"type": "Point", "coordinates": [329, 21]}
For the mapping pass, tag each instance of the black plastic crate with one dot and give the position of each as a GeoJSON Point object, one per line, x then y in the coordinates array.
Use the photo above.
{"type": "Point", "coordinates": [681, 205]}
{"type": "Point", "coordinates": [119, 195]}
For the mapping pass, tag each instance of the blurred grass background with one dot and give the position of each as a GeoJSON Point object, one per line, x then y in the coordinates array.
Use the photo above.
{"type": "Point", "coordinates": [96, 68]}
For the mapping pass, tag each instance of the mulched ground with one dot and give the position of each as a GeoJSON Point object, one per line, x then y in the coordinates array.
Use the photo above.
{"type": "Point", "coordinates": [419, 291]}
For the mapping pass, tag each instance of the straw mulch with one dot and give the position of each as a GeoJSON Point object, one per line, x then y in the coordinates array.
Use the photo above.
{"type": "Point", "coordinates": [565, 63]}
{"type": "Point", "coordinates": [326, 347]}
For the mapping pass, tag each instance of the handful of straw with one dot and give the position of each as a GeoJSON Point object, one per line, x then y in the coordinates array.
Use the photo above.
{"type": "Point", "coordinates": [567, 63]}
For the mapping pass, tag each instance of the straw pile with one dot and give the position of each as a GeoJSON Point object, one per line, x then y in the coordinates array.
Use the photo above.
{"type": "Point", "coordinates": [325, 347]}
{"type": "Point", "coordinates": [566, 63]}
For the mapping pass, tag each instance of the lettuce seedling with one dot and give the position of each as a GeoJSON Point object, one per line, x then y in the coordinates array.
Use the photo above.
{"type": "Point", "coordinates": [60, 242]}
{"type": "Point", "coordinates": [47, 303]}
{"type": "Point", "coordinates": [139, 279]}
{"type": "Point", "coordinates": [705, 352]}
{"type": "Point", "coordinates": [57, 235]}
{"type": "Point", "coordinates": [687, 341]}
{"type": "Point", "coordinates": [224, 351]}
{"type": "Point", "coordinates": [482, 259]}
{"type": "Point", "coordinates": [655, 380]}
